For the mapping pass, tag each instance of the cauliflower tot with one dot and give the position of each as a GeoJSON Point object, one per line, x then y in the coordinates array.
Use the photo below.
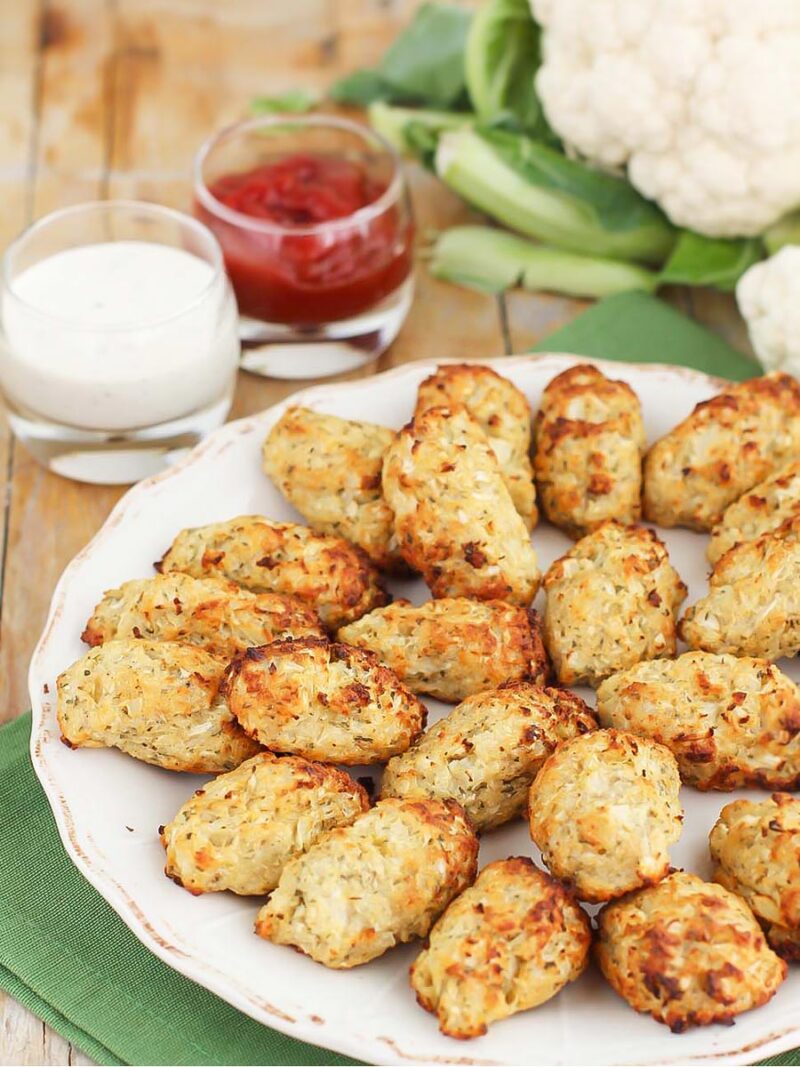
{"type": "Point", "coordinates": [508, 943]}
{"type": "Point", "coordinates": [604, 810]}
{"type": "Point", "coordinates": [454, 517]}
{"type": "Point", "coordinates": [501, 411]}
{"type": "Point", "coordinates": [612, 601]}
{"type": "Point", "coordinates": [454, 647]}
{"type": "Point", "coordinates": [687, 952]}
{"type": "Point", "coordinates": [589, 446]}
{"type": "Point", "coordinates": [364, 888]}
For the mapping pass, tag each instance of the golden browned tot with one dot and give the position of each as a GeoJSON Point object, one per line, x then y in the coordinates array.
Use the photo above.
{"type": "Point", "coordinates": [760, 510]}
{"type": "Point", "coordinates": [590, 440]}
{"type": "Point", "coordinates": [454, 647]}
{"type": "Point", "coordinates": [753, 603]}
{"type": "Point", "coordinates": [159, 702]}
{"type": "Point", "coordinates": [329, 469]}
{"type": "Point", "coordinates": [503, 414]}
{"type": "Point", "coordinates": [241, 829]}
{"type": "Point", "coordinates": [726, 446]}
{"type": "Point", "coordinates": [217, 615]}
{"type": "Point", "coordinates": [508, 943]}
{"type": "Point", "coordinates": [325, 701]}
{"type": "Point", "coordinates": [729, 721]}
{"type": "Point", "coordinates": [604, 810]}
{"type": "Point", "coordinates": [454, 517]}
{"type": "Point", "coordinates": [366, 887]}
{"type": "Point", "coordinates": [327, 573]}
{"type": "Point", "coordinates": [755, 846]}
{"type": "Point", "coordinates": [687, 952]}
{"type": "Point", "coordinates": [486, 752]}
{"type": "Point", "coordinates": [612, 601]}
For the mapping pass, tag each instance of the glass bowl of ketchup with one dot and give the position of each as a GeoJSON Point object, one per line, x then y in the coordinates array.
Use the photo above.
{"type": "Point", "coordinates": [314, 220]}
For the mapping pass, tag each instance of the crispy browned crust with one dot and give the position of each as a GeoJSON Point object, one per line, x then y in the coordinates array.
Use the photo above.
{"type": "Point", "coordinates": [573, 805]}
{"type": "Point", "coordinates": [687, 952]}
{"type": "Point", "coordinates": [454, 647]}
{"type": "Point", "coordinates": [486, 752]}
{"type": "Point", "coordinates": [330, 470]}
{"type": "Point", "coordinates": [590, 634]}
{"type": "Point", "coordinates": [502, 412]}
{"type": "Point", "coordinates": [751, 605]}
{"type": "Point", "coordinates": [762, 509]}
{"type": "Point", "coordinates": [216, 615]}
{"type": "Point", "coordinates": [731, 722]}
{"type": "Point", "coordinates": [755, 846]}
{"type": "Point", "coordinates": [332, 575]}
{"type": "Point", "coordinates": [726, 446]}
{"type": "Point", "coordinates": [589, 439]}
{"type": "Point", "coordinates": [160, 702]}
{"type": "Point", "coordinates": [507, 944]}
{"type": "Point", "coordinates": [323, 700]}
{"type": "Point", "coordinates": [454, 517]}
{"type": "Point", "coordinates": [240, 830]}
{"type": "Point", "coordinates": [377, 883]}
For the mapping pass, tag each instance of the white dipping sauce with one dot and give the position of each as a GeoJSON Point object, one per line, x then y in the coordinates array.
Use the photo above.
{"type": "Point", "coordinates": [118, 335]}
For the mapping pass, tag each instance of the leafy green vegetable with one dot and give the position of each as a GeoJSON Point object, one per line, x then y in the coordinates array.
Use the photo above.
{"type": "Point", "coordinates": [539, 192]}
{"type": "Point", "coordinates": [490, 260]}
{"type": "Point", "coordinates": [404, 127]}
{"type": "Point", "coordinates": [718, 262]}
{"type": "Point", "coordinates": [295, 102]}
{"type": "Point", "coordinates": [785, 231]}
{"type": "Point", "coordinates": [501, 59]}
{"type": "Point", "coordinates": [360, 89]}
{"type": "Point", "coordinates": [423, 66]}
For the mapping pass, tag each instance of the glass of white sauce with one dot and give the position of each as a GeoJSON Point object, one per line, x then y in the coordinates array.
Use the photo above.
{"type": "Point", "coordinates": [119, 344]}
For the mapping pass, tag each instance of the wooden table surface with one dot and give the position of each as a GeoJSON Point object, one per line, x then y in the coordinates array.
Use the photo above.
{"type": "Point", "coordinates": [111, 98]}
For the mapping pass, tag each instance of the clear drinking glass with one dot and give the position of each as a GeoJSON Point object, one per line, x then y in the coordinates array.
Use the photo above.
{"type": "Point", "coordinates": [320, 298]}
{"type": "Point", "coordinates": [119, 344]}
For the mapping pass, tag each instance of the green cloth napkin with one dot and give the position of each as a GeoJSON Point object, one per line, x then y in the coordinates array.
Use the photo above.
{"type": "Point", "coordinates": [66, 955]}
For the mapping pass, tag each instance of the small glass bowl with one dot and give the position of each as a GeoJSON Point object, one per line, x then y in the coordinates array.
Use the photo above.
{"type": "Point", "coordinates": [314, 299]}
{"type": "Point", "coordinates": [113, 396]}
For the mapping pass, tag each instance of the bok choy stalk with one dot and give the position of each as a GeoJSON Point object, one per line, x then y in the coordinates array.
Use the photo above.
{"type": "Point", "coordinates": [396, 124]}
{"type": "Point", "coordinates": [493, 260]}
{"type": "Point", "coordinates": [541, 193]}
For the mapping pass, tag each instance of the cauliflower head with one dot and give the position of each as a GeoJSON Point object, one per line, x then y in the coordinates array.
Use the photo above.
{"type": "Point", "coordinates": [700, 99]}
{"type": "Point", "coordinates": [768, 296]}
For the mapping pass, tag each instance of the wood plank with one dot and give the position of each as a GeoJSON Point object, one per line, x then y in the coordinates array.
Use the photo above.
{"type": "Point", "coordinates": [51, 518]}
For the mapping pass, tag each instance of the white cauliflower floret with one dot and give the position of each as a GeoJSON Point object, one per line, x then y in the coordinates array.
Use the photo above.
{"type": "Point", "coordinates": [700, 99]}
{"type": "Point", "coordinates": [768, 295]}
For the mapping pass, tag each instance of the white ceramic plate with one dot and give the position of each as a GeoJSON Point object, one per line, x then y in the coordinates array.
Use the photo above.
{"type": "Point", "coordinates": [108, 806]}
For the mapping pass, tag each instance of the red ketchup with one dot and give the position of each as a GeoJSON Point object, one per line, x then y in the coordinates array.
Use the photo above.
{"type": "Point", "coordinates": [306, 278]}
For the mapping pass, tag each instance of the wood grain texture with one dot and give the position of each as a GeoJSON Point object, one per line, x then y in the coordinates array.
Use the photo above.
{"type": "Point", "coordinates": [112, 98]}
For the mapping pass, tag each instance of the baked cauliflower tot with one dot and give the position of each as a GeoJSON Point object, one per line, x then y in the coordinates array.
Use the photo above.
{"type": "Point", "coordinates": [755, 846]}
{"type": "Point", "coordinates": [762, 509]}
{"type": "Point", "coordinates": [687, 952]}
{"type": "Point", "coordinates": [454, 517]}
{"type": "Point", "coordinates": [216, 615]}
{"type": "Point", "coordinates": [486, 752]}
{"type": "Point", "coordinates": [324, 701]}
{"type": "Point", "coordinates": [730, 722]}
{"type": "Point", "coordinates": [329, 469]}
{"type": "Point", "coordinates": [454, 647]}
{"type": "Point", "coordinates": [726, 446]}
{"type": "Point", "coordinates": [241, 829]}
{"type": "Point", "coordinates": [604, 810]}
{"type": "Point", "coordinates": [374, 884]}
{"type": "Point", "coordinates": [589, 444]}
{"type": "Point", "coordinates": [612, 601]}
{"type": "Point", "coordinates": [753, 603]}
{"type": "Point", "coordinates": [501, 411]}
{"type": "Point", "coordinates": [327, 573]}
{"type": "Point", "coordinates": [508, 943]}
{"type": "Point", "coordinates": [159, 702]}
